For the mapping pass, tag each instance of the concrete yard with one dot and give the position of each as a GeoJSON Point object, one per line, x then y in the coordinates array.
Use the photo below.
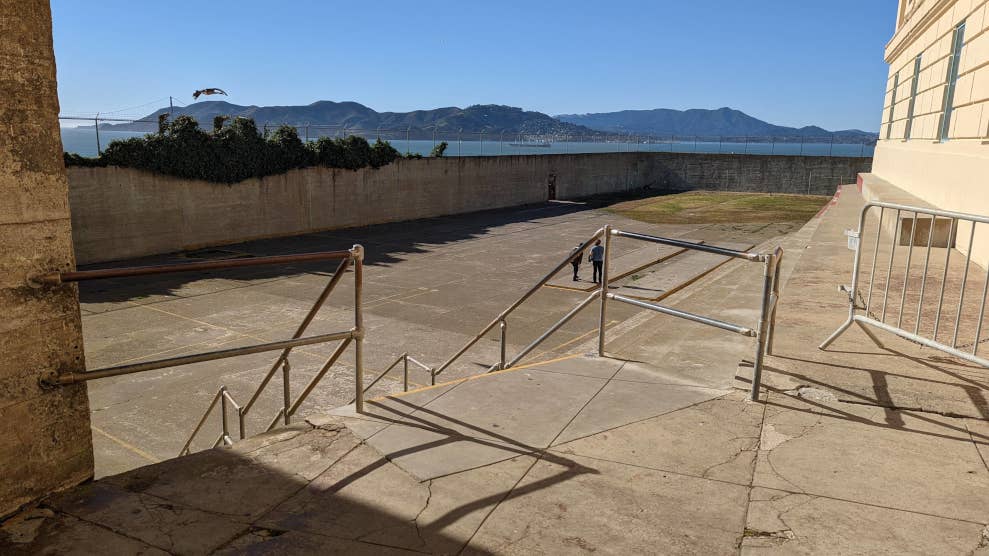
{"type": "Point", "coordinates": [430, 285]}
{"type": "Point", "coordinates": [653, 449]}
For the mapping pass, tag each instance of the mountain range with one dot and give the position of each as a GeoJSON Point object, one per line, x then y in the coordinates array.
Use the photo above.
{"type": "Point", "coordinates": [720, 122]}
{"type": "Point", "coordinates": [496, 119]}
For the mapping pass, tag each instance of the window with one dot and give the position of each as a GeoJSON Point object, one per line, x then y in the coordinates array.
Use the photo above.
{"type": "Point", "coordinates": [957, 38]}
{"type": "Point", "coordinates": [913, 96]}
{"type": "Point", "coordinates": [892, 105]}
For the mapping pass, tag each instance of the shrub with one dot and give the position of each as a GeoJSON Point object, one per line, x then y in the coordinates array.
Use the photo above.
{"type": "Point", "coordinates": [439, 150]}
{"type": "Point", "coordinates": [234, 152]}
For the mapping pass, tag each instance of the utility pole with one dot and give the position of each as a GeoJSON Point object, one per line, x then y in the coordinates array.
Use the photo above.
{"type": "Point", "coordinates": [97, 121]}
{"type": "Point", "coordinates": [170, 107]}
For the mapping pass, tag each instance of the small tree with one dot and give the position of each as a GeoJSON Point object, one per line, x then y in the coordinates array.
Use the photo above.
{"type": "Point", "coordinates": [439, 150]}
{"type": "Point", "coordinates": [218, 122]}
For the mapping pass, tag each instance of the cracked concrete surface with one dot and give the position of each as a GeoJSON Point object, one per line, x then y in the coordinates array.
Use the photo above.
{"type": "Point", "coordinates": [657, 455]}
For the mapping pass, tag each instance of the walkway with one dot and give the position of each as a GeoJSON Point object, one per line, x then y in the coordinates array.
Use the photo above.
{"type": "Point", "coordinates": [649, 450]}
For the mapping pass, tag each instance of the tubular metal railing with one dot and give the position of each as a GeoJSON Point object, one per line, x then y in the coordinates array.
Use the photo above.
{"type": "Point", "coordinates": [863, 313]}
{"type": "Point", "coordinates": [223, 398]}
{"type": "Point", "coordinates": [405, 359]}
{"type": "Point", "coordinates": [762, 332]}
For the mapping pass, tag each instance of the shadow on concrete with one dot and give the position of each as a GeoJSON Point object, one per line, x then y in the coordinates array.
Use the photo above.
{"type": "Point", "coordinates": [384, 244]}
{"type": "Point", "coordinates": [891, 412]}
{"type": "Point", "coordinates": [317, 491]}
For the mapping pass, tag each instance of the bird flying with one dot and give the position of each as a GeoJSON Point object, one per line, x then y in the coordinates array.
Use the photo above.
{"type": "Point", "coordinates": [209, 91]}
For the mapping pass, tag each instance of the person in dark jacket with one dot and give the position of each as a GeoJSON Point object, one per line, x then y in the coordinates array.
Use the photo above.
{"type": "Point", "coordinates": [575, 262]}
{"type": "Point", "coordinates": [597, 259]}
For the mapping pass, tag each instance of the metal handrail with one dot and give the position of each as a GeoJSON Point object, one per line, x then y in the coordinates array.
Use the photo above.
{"type": "Point", "coordinates": [289, 408]}
{"type": "Point", "coordinates": [223, 397]}
{"type": "Point", "coordinates": [405, 359]}
{"type": "Point", "coordinates": [500, 319]}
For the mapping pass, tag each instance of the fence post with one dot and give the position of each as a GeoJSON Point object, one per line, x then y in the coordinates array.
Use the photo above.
{"type": "Point", "coordinates": [405, 372]}
{"type": "Point", "coordinates": [408, 144]}
{"type": "Point", "coordinates": [96, 120]}
{"type": "Point", "coordinates": [480, 147]}
{"type": "Point", "coordinates": [358, 254]}
{"type": "Point", "coordinates": [501, 140]}
{"type": "Point", "coordinates": [504, 329]}
{"type": "Point", "coordinates": [460, 142]}
{"type": "Point", "coordinates": [224, 426]}
{"type": "Point", "coordinates": [760, 347]}
{"type": "Point", "coordinates": [286, 391]}
{"type": "Point", "coordinates": [831, 148]}
{"type": "Point", "coordinates": [604, 288]}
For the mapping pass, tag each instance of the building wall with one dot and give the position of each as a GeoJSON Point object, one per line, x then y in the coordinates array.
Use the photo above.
{"type": "Point", "coordinates": [45, 440]}
{"type": "Point", "coordinates": [948, 172]}
{"type": "Point", "coordinates": [119, 213]}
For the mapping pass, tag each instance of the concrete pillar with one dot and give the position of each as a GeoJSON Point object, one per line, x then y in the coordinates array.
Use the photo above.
{"type": "Point", "coordinates": [45, 439]}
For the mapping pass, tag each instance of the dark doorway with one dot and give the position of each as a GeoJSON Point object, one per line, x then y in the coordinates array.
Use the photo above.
{"type": "Point", "coordinates": [551, 187]}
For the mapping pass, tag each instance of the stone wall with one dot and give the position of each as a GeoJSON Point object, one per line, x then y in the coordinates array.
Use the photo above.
{"type": "Point", "coordinates": [119, 213]}
{"type": "Point", "coordinates": [45, 440]}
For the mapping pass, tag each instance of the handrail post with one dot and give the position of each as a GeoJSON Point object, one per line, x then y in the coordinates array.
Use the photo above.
{"type": "Point", "coordinates": [763, 327]}
{"type": "Point", "coordinates": [405, 372]}
{"type": "Point", "coordinates": [778, 262]}
{"type": "Point", "coordinates": [504, 347]}
{"type": "Point", "coordinates": [223, 414]}
{"type": "Point", "coordinates": [604, 288]}
{"type": "Point", "coordinates": [358, 253]}
{"type": "Point", "coordinates": [286, 391]}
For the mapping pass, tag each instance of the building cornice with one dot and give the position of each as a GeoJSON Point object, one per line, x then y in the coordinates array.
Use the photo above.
{"type": "Point", "coordinates": [908, 32]}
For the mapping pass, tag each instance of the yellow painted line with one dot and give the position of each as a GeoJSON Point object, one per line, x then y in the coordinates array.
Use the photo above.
{"type": "Point", "coordinates": [126, 445]}
{"type": "Point", "coordinates": [476, 377]}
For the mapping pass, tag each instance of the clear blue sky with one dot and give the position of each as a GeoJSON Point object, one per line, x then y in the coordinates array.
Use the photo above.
{"type": "Point", "coordinates": [790, 62]}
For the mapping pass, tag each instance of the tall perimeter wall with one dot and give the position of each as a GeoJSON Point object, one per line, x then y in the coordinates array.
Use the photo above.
{"type": "Point", "coordinates": [119, 213]}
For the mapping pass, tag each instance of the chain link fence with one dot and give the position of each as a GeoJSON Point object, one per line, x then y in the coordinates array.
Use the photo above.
{"type": "Point", "coordinates": [92, 134]}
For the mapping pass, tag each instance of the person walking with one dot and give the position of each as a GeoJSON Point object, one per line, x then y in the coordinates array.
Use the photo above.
{"type": "Point", "coordinates": [575, 256]}
{"type": "Point", "coordinates": [597, 259]}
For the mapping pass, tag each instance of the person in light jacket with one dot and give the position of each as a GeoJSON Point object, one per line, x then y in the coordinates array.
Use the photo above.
{"type": "Point", "coordinates": [597, 259]}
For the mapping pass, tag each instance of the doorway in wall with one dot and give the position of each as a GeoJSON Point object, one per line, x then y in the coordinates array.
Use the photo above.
{"type": "Point", "coordinates": [551, 187]}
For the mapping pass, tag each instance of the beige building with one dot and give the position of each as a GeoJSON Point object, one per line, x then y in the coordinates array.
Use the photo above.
{"type": "Point", "coordinates": [934, 138]}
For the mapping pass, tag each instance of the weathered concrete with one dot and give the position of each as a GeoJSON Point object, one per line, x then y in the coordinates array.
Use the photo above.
{"type": "Point", "coordinates": [429, 286]}
{"type": "Point", "coordinates": [119, 213]}
{"type": "Point", "coordinates": [661, 463]}
{"type": "Point", "coordinates": [44, 442]}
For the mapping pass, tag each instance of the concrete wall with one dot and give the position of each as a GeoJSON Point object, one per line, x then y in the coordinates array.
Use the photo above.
{"type": "Point", "coordinates": [119, 213]}
{"type": "Point", "coordinates": [45, 441]}
{"type": "Point", "coordinates": [950, 174]}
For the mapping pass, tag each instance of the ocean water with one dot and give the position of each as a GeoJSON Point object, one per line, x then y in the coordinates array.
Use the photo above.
{"type": "Point", "coordinates": [83, 142]}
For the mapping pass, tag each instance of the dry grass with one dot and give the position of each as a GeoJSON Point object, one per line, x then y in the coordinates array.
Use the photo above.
{"type": "Point", "coordinates": [712, 207]}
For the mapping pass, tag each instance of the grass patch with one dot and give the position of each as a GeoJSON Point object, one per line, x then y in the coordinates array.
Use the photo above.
{"type": "Point", "coordinates": [700, 207]}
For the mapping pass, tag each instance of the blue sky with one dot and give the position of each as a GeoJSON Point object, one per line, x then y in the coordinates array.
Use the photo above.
{"type": "Point", "coordinates": [790, 62]}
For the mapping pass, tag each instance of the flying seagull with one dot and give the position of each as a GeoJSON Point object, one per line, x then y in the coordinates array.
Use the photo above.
{"type": "Point", "coordinates": [209, 91]}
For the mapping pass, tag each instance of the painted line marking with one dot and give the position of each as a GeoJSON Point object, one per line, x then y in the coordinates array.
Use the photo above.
{"type": "Point", "coordinates": [126, 445]}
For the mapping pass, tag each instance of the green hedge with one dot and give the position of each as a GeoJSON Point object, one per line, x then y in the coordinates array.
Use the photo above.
{"type": "Point", "coordinates": [234, 152]}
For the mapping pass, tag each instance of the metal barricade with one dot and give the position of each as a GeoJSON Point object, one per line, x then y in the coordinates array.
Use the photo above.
{"type": "Point", "coordinates": [223, 398]}
{"type": "Point", "coordinates": [942, 227]}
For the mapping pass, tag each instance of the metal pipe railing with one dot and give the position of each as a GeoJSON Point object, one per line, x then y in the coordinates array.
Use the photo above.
{"type": "Point", "coordinates": [501, 317]}
{"type": "Point", "coordinates": [737, 329]}
{"type": "Point", "coordinates": [56, 278]}
{"type": "Point", "coordinates": [559, 324]}
{"type": "Point", "coordinates": [734, 253]}
{"type": "Point", "coordinates": [317, 305]}
{"type": "Point", "coordinates": [69, 378]}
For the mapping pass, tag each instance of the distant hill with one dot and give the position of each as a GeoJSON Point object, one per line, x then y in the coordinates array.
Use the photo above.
{"type": "Point", "coordinates": [723, 121]}
{"type": "Point", "coordinates": [489, 118]}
